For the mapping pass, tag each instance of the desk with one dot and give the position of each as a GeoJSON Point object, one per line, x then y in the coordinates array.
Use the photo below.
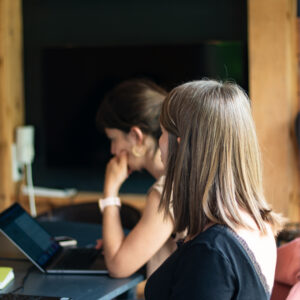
{"type": "Point", "coordinates": [77, 287]}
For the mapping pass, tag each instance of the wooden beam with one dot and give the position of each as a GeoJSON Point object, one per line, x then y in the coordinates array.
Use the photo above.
{"type": "Point", "coordinates": [273, 90]}
{"type": "Point", "coordinates": [11, 91]}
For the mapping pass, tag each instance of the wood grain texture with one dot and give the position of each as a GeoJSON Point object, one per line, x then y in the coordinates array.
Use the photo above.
{"type": "Point", "coordinates": [11, 92]}
{"type": "Point", "coordinates": [272, 38]}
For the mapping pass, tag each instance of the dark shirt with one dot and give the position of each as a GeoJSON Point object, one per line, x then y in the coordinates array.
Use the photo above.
{"type": "Point", "coordinates": [216, 265]}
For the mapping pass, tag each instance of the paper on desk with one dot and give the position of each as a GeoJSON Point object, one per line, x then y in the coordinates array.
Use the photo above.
{"type": "Point", "coordinates": [6, 276]}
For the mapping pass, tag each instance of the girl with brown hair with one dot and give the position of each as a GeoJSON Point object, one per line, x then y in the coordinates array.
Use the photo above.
{"type": "Point", "coordinates": [129, 115]}
{"type": "Point", "coordinates": [214, 186]}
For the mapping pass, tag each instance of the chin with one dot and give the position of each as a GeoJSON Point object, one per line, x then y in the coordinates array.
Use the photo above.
{"type": "Point", "coordinates": [132, 169]}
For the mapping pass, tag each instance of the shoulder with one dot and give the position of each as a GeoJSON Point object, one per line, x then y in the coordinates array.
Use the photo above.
{"type": "Point", "coordinates": [152, 203]}
{"type": "Point", "coordinates": [216, 241]}
{"type": "Point", "coordinates": [158, 185]}
{"type": "Point", "coordinates": [192, 269]}
{"type": "Point", "coordinates": [154, 195]}
{"type": "Point", "coordinates": [214, 236]}
{"type": "Point", "coordinates": [213, 241]}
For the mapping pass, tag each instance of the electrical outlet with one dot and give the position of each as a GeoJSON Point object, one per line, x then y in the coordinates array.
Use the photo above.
{"type": "Point", "coordinates": [17, 167]}
{"type": "Point", "coordinates": [25, 144]}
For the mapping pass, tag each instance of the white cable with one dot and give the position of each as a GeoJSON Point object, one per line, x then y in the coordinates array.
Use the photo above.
{"type": "Point", "coordinates": [30, 190]}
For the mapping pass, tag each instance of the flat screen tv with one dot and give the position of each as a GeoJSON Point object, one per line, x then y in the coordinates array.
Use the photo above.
{"type": "Point", "coordinates": [70, 152]}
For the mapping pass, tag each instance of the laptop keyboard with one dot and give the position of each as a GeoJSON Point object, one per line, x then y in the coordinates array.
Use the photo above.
{"type": "Point", "coordinates": [77, 258]}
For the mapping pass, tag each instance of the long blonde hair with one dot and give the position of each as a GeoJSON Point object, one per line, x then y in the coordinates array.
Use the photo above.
{"type": "Point", "coordinates": [215, 170]}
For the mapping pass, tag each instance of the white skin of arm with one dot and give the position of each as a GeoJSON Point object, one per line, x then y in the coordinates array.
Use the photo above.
{"type": "Point", "coordinates": [125, 255]}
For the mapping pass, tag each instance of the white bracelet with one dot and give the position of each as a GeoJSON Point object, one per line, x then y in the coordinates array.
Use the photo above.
{"type": "Point", "coordinates": [108, 201]}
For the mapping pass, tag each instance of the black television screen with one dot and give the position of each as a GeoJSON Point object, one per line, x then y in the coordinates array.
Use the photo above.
{"type": "Point", "coordinates": [70, 152]}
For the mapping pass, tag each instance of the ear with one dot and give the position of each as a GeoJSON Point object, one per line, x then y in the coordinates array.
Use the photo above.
{"type": "Point", "coordinates": [136, 135]}
{"type": "Point", "coordinates": [178, 140]}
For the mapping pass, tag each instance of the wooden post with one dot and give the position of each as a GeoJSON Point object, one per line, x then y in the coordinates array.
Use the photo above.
{"type": "Point", "coordinates": [273, 90]}
{"type": "Point", "coordinates": [11, 91]}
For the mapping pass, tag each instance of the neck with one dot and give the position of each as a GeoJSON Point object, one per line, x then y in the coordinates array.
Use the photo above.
{"type": "Point", "coordinates": [154, 165]}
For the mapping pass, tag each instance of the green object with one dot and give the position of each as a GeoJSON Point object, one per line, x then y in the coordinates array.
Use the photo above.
{"type": "Point", "coordinates": [6, 276]}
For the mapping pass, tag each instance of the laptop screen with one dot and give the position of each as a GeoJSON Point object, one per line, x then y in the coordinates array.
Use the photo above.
{"type": "Point", "coordinates": [28, 234]}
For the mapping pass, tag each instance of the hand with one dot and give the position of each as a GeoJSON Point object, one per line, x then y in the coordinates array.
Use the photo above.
{"type": "Point", "coordinates": [116, 173]}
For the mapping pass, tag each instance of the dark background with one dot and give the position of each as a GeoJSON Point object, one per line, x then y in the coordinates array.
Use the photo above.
{"type": "Point", "coordinates": [75, 51]}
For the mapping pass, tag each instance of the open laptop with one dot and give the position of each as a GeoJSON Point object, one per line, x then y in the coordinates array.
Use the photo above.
{"type": "Point", "coordinates": [41, 248]}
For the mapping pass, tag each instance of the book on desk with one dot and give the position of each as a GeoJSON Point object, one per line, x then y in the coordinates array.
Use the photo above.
{"type": "Point", "coordinates": [6, 276]}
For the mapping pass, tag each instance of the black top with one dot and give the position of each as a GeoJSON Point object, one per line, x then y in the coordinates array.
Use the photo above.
{"type": "Point", "coordinates": [215, 265]}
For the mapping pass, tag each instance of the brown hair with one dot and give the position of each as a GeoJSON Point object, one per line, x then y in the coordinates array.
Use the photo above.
{"type": "Point", "coordinates": [215, 170]}
{"type": "Point", "coordinates": [135, 102]}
